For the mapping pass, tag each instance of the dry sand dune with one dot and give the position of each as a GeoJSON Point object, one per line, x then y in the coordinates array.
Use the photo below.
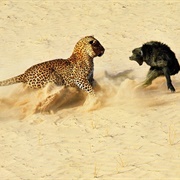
{"type": "Point", "coordinates": [127, 132]}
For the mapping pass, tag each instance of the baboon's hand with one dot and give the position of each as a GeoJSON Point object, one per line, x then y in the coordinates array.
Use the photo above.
{"type": "Point", "coordinates": [171, 88]}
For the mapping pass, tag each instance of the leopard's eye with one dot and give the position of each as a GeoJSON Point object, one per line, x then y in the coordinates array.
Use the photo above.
{"type": "Point", "coordinates": [91, 42]}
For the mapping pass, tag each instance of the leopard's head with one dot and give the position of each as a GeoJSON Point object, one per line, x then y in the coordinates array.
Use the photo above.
{"type": "Point", "coordinates": [89, 46]}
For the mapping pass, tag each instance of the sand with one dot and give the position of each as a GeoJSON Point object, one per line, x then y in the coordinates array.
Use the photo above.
{"type": "Point", "coordinates": [129, 133]}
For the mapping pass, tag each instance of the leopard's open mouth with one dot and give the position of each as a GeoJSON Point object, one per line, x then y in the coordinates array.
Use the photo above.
{"type": "Point", "coordinates": [101, 53]}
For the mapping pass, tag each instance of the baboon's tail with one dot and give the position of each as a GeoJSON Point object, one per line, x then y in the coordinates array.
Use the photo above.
{"type": "Point", "coordinates": [14, 80]}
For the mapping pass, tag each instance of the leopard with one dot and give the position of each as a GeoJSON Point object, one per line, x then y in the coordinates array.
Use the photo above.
{"type": "Point", "coordinates": [75, 71]}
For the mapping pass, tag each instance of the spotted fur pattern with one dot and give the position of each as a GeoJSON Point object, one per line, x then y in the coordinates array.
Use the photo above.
{"type": "Point", "coordinates": [77, 70]}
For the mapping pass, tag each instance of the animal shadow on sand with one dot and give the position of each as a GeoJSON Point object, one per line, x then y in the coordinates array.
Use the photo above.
{"type": "Point", "coordinates": [121, 76]}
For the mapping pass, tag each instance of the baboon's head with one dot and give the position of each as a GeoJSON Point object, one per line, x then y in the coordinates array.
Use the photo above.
{"type": "Point", "coordinates": [137, 55]}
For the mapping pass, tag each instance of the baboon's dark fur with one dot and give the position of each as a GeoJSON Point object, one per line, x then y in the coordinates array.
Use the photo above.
{"type": "Point", "coordinates": [161, 59]}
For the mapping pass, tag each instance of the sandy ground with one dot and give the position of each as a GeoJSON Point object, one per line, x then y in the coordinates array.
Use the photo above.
{"type": "Point", "coordinates": [132, 134]}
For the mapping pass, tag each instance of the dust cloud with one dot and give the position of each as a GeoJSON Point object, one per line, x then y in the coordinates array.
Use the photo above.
{"type": "Point", "coordinates": [111, 89]}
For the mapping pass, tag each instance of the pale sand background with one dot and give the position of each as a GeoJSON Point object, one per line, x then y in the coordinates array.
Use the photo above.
{"type": "Point", "coordinates": [134, 134]}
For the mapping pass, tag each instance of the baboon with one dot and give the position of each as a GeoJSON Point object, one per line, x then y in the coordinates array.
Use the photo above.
{"type": "Point", "coordinates": [160, 58]}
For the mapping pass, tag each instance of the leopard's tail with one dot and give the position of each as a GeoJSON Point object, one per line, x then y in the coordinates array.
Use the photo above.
{"type": "Point", "coordinates": [14, 80]}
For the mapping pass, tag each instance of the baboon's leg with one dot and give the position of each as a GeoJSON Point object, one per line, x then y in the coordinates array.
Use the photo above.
{"type": "Point", "coordinates": [152, 74]}
{"type": "Point", "coordinates": [168, 79]}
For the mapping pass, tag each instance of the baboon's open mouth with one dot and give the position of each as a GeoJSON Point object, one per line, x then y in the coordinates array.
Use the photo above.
{"type": "Point", "coordinates": [138, 61]}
